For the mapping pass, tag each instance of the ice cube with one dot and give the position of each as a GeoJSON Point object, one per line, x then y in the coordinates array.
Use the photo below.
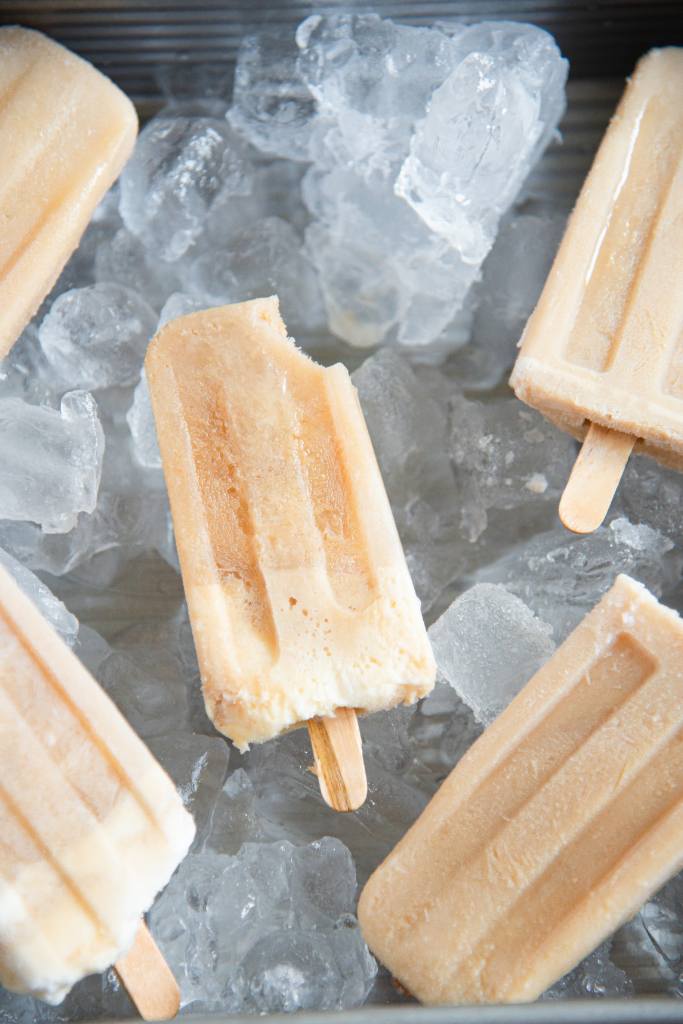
{"type": "Point", "coordinates": [485, 127]}
{"type": "Point", "coordinates": [650, 494]}
{"type": "Point", "coordinates": [140, 419]}
{"type": "Point", "coordinates": [562, 576]}
{"type": "Point", "coordinates": [487, 645]}
{"type": "Point", "coordinates": [198, 766]}
{"type": "Point", "coordinates": [384, 275]}
{"type": "Point", "coordinates": [372, 79]}
{"type": "Point", "coordinates": [498, 448]}
{"type": "Point", "coordinates": [50, 461]}
{"type": "Point", "coordinates": [662, 919]}
{"type": "Point", "coordinates": [178, 304]}
{"type": "Point", "coordinates": [50, 607]}
{"type": "Point", "coordinates": [145, 677]}
{"type": "Point", "coordinates": [122, 258]}
{"type": "Point", "coordinates": [275, 192]}
{"type": "Point", "coordinates": [236, 819]}
{"type": "Point", "coordinates": [179, 167]}
{"type": "Point", "coordinates": [512, 278]}
{"type": "Point", "coordinates": [272, 105]}
{"type": "Point", "coordinates": [596, 976]}
{"type": "Point", "coordinates": [269, 929]}
{"type": "Point", "coordinates": [265, 258]}
{"type": "Point", "coordinates": [408, 425]}
{"type": "Point", "coordinates": [96, 337]}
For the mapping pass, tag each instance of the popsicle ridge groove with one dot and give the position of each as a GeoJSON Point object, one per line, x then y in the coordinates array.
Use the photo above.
{"type": "Point", "coordinates": [8, 94]}
{"type": "Point", "coordinates": [57, 205]}
{"type": "Point", "coordinates": [51, 679]}
{"type": "Point", "coordinates": [521, 764]}
{"type": "Point", "coordinates": [551, 885]}
{"type": "Point", "coordinates": [635, 674]}
{"type": "Point", "coordinates": [546, 881]}
{"type": "Point", "coordinates": [344, 548]}
{"type": "Point", "coordinates": [228, 520]}
{"type": "Point", "coordinates": [59, 871]}
{"type": "Point", "coordinates": [591, 343]}
{"type": "Point", "coordinates": [644, 251]}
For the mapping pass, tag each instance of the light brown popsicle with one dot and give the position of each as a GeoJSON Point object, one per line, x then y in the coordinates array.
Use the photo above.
{"type": "Point", "coordinates": [553, 829]}
{"type": "Point", "coordinates": [65, 133]}
{"type": "Point", "coordinates": [91, 827]}
{"type": "Point", "coordinates": [602, 354]}
{"type": "Point", "coordinates": [301, 603]}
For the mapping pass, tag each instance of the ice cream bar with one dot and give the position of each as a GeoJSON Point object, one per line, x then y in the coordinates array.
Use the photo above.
{"type": "Point", "coordinates": [65, 133]}
{"type": "Point", "coordinates": [602, 354]}
{"type": "Point", "coordinates": [90, 826]}
{"type": "Point", "coordinates": [299, 595]}
{"type": "Point", "coordinates": [556, 825]}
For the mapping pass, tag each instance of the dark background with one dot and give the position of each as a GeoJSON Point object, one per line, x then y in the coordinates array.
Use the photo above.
{"type": "Point", "coordinates": [132, 41]}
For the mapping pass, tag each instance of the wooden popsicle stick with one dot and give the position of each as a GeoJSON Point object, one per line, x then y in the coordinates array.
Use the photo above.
{"type": "Point", "coordinates": [147, 978]}
{"type": "Point", "coordinates": [338, 754]}
{"type": "Point", "coordinates": [594, 478]}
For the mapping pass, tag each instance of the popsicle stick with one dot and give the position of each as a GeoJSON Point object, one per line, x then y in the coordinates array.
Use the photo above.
{"type": "Point", "coordinates": [338, 754]}
{"type": "Point", "coordinates": [594, 478]}
{"type": "Point", "coordinates": [147, 978]}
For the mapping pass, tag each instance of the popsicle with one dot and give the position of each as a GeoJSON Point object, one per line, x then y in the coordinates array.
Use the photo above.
{"type": "Point", "coordinates": [90, 826]}
{"type": "Point", "coordinates": [557, 824]}
{"type": "Point", "coordinates": [602, 354]}
{"type": "Point", "coordinates": [302, 607]}
{"type": "Point", "coordinates": [65, 133]}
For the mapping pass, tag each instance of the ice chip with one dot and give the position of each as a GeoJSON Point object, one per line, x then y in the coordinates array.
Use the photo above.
{"type": "Point", "coordinates": [487, 645]}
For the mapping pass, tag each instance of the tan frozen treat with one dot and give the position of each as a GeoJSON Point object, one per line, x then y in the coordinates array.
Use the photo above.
{"type": "Point", "coordinates": [298, 590]}
{"type": "Point", "coordinates": [560, 821]}
{"type": "Point", "coordinates": [65, 133]}
{"type": "Point", "coordinates": [91, 827]}
{"type": "Point", "coordinates": [605, 343]}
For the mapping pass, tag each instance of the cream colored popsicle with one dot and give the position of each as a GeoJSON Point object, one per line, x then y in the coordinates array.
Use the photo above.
{"type": "Point", "coordinates": [65, 133]}
{"type": "Point", "coordinates": [299, 595]}
{"type": "Point", "coordinates": [604, 346]}
{"type": "Point", "coordinates": [560, 821]}
{"type": "Point", "coordinates": [90, 826]}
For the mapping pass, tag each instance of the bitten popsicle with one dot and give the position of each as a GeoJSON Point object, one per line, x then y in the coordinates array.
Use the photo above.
{"type": "Point", "coordinates": [562, 819]}
{"type": "Point", "coordinates": [302, 607]}
{"type": "Point", "coordinates": [602, 354]}
{"type": "Point", "coordinates": [91, 827]}
{"type": "Point", "coordinates": [65, 133]}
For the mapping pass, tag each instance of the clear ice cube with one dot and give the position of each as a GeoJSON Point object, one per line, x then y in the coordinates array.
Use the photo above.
{"type": "Point", "coordinates": [96, 337]}
{"type": "Point", "coordinates": [269, 929]}
{"type": "Point", "coordinates": [488, 644]}
{"type": "Point", "coordinates": [51, 460]}
{"type": "Point", "coordinates": [179, 167]}
{"type": "Point", "coordinates": [271, 104]}
{"type": "Point", "coordinates": [485, 127]}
